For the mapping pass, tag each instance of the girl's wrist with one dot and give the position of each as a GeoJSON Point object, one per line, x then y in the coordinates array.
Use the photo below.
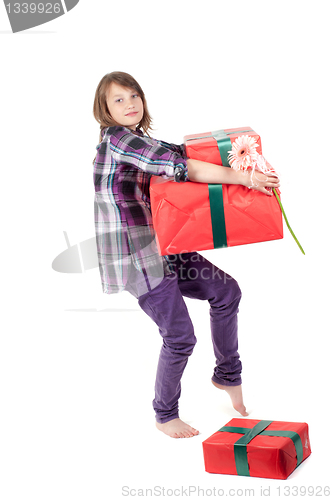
{"type": "Point", "coordinates": [243, 178]}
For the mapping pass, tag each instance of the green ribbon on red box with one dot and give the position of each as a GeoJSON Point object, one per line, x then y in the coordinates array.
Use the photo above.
{"type": "Point", "coordinates": [240, 446]}
{"type": "Point", "coordinates": [217, 216]}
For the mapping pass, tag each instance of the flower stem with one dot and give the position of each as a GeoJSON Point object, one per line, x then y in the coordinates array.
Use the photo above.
{"type": "Point", "coordinates": [290, 229]}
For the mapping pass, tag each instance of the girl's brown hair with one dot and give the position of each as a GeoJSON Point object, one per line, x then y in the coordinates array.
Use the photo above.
{"type": "Point", "coordinates": [100, 108]}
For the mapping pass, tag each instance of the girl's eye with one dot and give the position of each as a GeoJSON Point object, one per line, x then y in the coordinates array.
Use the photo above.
{"type": "Point", "coordinates": [118, 100]}
{"type": "Point", "coordinates": [135, 95]}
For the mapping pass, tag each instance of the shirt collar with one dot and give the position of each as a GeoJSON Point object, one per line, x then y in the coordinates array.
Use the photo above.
{"type": "Point", "coordinates": [138, 131]}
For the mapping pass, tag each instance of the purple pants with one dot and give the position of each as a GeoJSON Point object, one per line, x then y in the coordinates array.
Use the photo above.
{"type": "Point", "coordinates": [196, 278]}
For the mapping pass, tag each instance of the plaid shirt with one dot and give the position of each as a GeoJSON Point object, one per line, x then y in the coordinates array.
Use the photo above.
{"type": "Point", "coordinates": [125, 237]}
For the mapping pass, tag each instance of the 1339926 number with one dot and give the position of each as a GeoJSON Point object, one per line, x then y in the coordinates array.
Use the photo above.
{"type": "Point", "coordinates": [304, 491]}
{"type": "Point", "coordinates": [34, 8]}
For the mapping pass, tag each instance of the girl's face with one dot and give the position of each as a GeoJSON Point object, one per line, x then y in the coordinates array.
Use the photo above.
{"type": "Point", "coordinates": [125, 106]}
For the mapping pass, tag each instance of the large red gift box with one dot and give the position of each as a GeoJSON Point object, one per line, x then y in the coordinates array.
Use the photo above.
{"type": "Point", "coordinates": [185, 220]}
{"type": "Point", "coordinates": [257, 448]}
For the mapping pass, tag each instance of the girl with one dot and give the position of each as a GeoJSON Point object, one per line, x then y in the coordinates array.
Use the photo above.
{"type": "Point", "coordinates": [128, 258]}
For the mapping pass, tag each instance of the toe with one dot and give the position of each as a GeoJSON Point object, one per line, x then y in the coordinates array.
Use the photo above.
{"type": "Point", "coordinates": [193, 432]}
{"type": "Point", "coordinates": [241, 409]}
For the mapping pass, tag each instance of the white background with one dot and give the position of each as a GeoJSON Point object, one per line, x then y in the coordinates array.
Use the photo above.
{"type": "Point", "coordinates": [77, 366]}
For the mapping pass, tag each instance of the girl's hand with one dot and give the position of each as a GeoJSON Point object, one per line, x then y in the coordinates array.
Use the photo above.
{"type": "Point", "coordinates": [260, 182]}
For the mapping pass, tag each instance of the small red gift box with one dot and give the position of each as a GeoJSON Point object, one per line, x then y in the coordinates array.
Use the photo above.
{"type": "Point", "coordinates": [257, 448]}
{"type": "Point", "coordinates": [213, 147]}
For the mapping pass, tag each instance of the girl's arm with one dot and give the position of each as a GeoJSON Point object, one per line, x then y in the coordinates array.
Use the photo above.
{"type": "Point", "coordinates": [200, 171]}
{"type": "Point", "coordinates": [144, 154]}
{"type": "Point", "coordinates": [177, 148]}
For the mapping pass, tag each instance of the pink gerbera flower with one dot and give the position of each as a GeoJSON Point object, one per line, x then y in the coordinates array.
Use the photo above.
{"type": "Point", "coordinates": [243, 153]}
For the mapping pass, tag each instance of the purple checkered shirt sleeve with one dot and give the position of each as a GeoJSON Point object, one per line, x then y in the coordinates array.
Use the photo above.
{"type": "Point", "coordinates": [149, 155]}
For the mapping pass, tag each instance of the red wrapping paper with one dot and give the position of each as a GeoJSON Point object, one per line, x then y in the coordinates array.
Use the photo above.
{"type": "Point", "coordinates": [182, 218]}
{"type": "Point", "coordinates": [268, 456]}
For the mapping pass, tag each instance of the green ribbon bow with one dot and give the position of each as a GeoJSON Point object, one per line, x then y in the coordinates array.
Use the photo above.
{"type": "Point", "coordinates": [240, 446]}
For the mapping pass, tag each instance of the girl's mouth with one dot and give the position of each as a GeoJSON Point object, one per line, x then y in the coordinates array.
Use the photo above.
{"type": "Point", "coordinates": [132, 114]}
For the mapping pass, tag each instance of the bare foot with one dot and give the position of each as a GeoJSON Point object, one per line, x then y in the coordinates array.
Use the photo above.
{"type": "Point", "coordinates": [235, 392]}
{"type": "Point", "coordinates": [176, 428]}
